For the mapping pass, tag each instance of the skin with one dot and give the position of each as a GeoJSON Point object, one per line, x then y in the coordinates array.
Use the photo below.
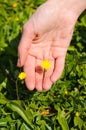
{"type": "Point", "coordinates": [47, 35]}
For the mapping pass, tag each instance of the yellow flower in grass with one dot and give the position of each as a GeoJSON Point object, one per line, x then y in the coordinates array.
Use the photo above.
{"type": "Point", "coordinates": [17, 19]}
{"type": "Point", "coordinates": [22, 75]}
{"type": "Point", "coordinates": [77, 114]}
{"type": "Point", "coordinates": [14, 5]}
{"type": "Point", "coordinates": [66, 92]}
{"type": "Point", "coordinates": [46, 64]}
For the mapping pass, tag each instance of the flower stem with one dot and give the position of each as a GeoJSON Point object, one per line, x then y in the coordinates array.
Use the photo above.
{"type": "Point", "coordinates": [17, 95]}
{"type": "Point", "coordinates": [44, 73]}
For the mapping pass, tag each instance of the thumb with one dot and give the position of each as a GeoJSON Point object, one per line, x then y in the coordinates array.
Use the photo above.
{"type": "Point", "coordinates": [25, 43]}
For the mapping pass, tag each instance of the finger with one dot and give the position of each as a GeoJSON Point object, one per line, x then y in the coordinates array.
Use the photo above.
{"type": "Point", "coordinates": [25, 43]}
{"type": "Point", "coordinates": [39, 76]}
{"type": "Point", "coordinates": [29, 68]}
{"type": "Point", "coordinates": [47, 83]}
{"type": "Point", "coordinates": [59, 66]}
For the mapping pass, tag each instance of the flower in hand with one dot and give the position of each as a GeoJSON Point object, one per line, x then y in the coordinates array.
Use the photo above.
{"type": "Point", "coordinates": [46, 65]}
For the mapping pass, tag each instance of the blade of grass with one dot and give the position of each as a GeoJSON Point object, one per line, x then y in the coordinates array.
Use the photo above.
{"type": "Point", "coordinates": [17, 108]}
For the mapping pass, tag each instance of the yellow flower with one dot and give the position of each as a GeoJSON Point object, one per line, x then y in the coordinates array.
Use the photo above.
{"type": "Point", "coordinates": [14, 5]}
{"type": "Point", "coordinates": [46, 64]}
{"type": "Point", "coordinates": [17, 19]}
{"type": "Point", "coordinates": [77, 114]}
{"type": "Point", "coordinates": [22, 75]}
{"type": "Point", "coordinates": [66, 92]}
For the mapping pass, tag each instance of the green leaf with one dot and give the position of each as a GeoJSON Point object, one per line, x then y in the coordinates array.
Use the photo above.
{"type": "Point", "coordinates": [83, 20]}
{"type": "Point", "coordinates": [3, 84]}
{"type": "Point", "coordinates": [84, 73]}
{"type": "Point", "coordinates": [17, 108]}
{"type": "Point", "coordinates": [78, 122]}
{"type": "Point", "coordinates": [3, 101]}
{"type": "Point", "coordinates": [12, 126]}
{"type": "Point", "coordinates": [82, 59]}
{"type": "Point", "coordinates": [26, 127]}
{"type": "Point", "coordinates": [3, 123]}
{"type": "Point", "coordinates": [48, 127]}
{"type": "Point", "coordinates": [3, 128]}
{"type": "Point", "coordinates": [71, 48]}
{"type": "Point", "coordinates": [2, 46]}
{"type": "Point", "coordinates": [61, 119]}
{"type": "Point", "coordinates": [22, 127]}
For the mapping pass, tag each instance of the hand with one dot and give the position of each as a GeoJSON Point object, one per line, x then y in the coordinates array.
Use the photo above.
{"type": "Point", "coordinates": [46, 35]}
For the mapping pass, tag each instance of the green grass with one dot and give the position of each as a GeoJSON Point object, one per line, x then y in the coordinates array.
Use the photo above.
{"type": "Point", "coordinates": [63, 107]}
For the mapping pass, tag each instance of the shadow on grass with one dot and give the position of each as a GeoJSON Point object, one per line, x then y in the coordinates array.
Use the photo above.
{"type": "Point", "coordinates": [9, 72]}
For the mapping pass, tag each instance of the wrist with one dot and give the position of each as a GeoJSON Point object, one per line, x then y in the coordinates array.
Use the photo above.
{"type": "Point", "coordinates": [77, 6]}
{"type": "Point", "coordinates": [74, 6]}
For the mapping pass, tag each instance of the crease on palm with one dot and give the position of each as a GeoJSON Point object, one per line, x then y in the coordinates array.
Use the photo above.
{"type": "Point", "coordinates": [47, 49]}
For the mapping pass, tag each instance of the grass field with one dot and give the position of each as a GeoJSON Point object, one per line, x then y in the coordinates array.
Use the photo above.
{"type": "Point", "coordinates": [63, 107]}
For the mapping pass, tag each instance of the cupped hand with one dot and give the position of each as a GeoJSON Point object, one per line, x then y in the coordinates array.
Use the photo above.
{"type": "Point", "coordinates": [46, 35]}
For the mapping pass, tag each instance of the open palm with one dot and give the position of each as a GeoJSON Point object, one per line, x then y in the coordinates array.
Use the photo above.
{"type": "Point", "coordinates": [45, 37]}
